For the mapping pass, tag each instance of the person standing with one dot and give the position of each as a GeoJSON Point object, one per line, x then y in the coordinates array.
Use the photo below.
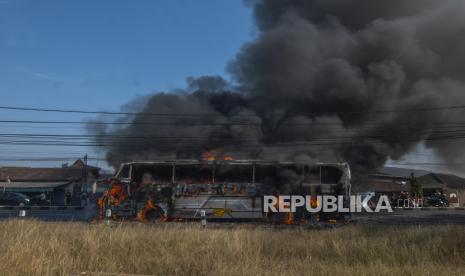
{"type": "Point", "coordinates": [83, 199]}
{"type": "Point", "coordinates": [68, 198]}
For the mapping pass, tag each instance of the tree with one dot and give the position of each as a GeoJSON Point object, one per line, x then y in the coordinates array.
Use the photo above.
{"type": "Point", "coordinates": [416, 186]}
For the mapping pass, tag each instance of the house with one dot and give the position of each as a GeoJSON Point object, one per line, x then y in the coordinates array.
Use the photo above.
{"type": "Point", "coordinates": [451, 185]}
{"type": "Point", "coordinates": [388, 180]}
{"type": "Point", "coordinates": [392, 181]}
{"type": "Point", "coordinates": [54, 182]}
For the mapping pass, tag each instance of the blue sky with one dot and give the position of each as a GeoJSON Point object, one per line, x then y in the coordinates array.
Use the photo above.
{"type": "Point", "coordinates": [98, 55]}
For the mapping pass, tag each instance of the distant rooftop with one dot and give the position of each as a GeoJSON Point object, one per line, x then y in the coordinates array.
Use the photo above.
{"type": "Point", "coordinates": [71, 173]}
{"type": "Point", "coordinates": [402, 172]}
{"type": "Point", "coordinates": [393, 179]}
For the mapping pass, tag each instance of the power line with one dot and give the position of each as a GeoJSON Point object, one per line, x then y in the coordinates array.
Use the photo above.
{"type": "Point", "coordinates": [218, 136]}
{"type": "Point", "coordinates": [190, 123]}
{"type": "Point", "coordinates": [38, 109]}
{"type": "Point", "coordinates": [194, 144]}
{"type": "Point", "coordinates": [435, 131]}
{"type": "Point", "coordinates": [101, 112]}
{"type": "Point", "coordinates": [65, 158]}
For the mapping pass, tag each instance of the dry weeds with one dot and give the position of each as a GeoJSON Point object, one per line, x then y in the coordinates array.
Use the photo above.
{"type": "Point", "coordinates": [37, 248]}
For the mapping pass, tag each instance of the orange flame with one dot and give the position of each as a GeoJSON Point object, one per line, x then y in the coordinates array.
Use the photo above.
{"type": "Point", "coordinates": [289, 218]}
{"type": "Point", "coordinates": [314, 201]}
{"type": "Point", "coordinates": [212, 155]}
{"type": "Point", "coordinates": [143, 213]}
{"type": "Point", "coordinates": [112, 197]}
{"type": "Point", "coordinates": [149, 205]}
{"type": "Point", "coordinates": [208, 155]}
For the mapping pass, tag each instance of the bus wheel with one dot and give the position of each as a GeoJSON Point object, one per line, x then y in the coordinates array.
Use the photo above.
{"type": "Point", "coordinates": [156, 215]}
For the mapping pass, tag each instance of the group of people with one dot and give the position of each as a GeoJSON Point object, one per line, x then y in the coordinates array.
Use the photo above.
{"type": "Point", "coordinates": [84, 199]}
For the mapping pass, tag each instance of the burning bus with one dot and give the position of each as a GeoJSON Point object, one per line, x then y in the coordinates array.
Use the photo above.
{"type": "Point", "coordinates": [223, 189]}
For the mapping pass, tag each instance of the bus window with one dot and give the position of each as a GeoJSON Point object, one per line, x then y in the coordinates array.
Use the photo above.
{"type": "Point", "coordinates": [124, 172]}
{"type": "Point", "coordinates": [323, 175]}
{"type": "Point", "coordinates": [193, 173]}
{"type": "Point", "coordinates": [312, 175]}
{"type": "Point", "coordinates": [330, 175]}
{"type": "Point", "coordinates": [233, 173]}
{"type": "Point", "coordinates": [160, 173]}
{"type": "Point", "coordinates": [269, 174]}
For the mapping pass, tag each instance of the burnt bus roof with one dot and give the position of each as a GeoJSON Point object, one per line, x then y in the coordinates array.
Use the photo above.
{"type": "Point", "coordinates": [126, 169]}
{"type": "Point", "coordinates": [228, 162]}
{"type": "Point", "coordinates": [123, 166]}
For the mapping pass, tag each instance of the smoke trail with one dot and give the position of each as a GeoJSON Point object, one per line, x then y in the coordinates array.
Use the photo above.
{"type": "Point", "coordinates": [309, 87]}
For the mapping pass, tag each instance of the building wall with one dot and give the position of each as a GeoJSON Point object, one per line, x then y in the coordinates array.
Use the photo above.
{"type": "Point", "coordinates": [458, 201]}
{"type": "Point", "coordinates": [58, 196]}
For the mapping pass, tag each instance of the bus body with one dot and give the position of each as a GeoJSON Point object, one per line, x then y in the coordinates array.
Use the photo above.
{"type": "Point", "coordinates": [232, 190]}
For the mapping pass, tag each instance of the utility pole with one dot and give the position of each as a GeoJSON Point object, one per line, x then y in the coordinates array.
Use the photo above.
{"type": "Point", "coordinates": [85, 173]}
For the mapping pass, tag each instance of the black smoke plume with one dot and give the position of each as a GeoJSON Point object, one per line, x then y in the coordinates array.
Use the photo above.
{"type": "Point", "coordinates": [325, 80]}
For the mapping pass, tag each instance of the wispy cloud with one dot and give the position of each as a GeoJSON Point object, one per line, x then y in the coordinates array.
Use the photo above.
{"type": "Point", "coordinates": [56, 78]}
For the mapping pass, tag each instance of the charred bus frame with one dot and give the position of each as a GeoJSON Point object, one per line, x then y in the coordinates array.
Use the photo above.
{"type": "Point", "coordinates": [228, 189]}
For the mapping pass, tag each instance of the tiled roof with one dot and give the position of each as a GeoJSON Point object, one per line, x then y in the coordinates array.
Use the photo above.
{"type": "Point", "coordinates": [43, 174]}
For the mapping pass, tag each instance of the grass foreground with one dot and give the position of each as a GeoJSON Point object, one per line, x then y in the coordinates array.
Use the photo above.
{"type": "Point", "coordinates": [38, 248]}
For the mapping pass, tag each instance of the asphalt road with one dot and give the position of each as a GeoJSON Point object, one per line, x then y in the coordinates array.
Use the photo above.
{"type": "Point", "coordinates": [413, 217]}
{"type": "Point", "coordinates": [399, 217]}
{"type": "Point", "coordinates": [54, 214]}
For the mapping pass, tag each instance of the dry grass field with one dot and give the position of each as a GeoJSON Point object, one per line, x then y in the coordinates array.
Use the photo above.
{"type": "Point", "coordinates": [37, 248]}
